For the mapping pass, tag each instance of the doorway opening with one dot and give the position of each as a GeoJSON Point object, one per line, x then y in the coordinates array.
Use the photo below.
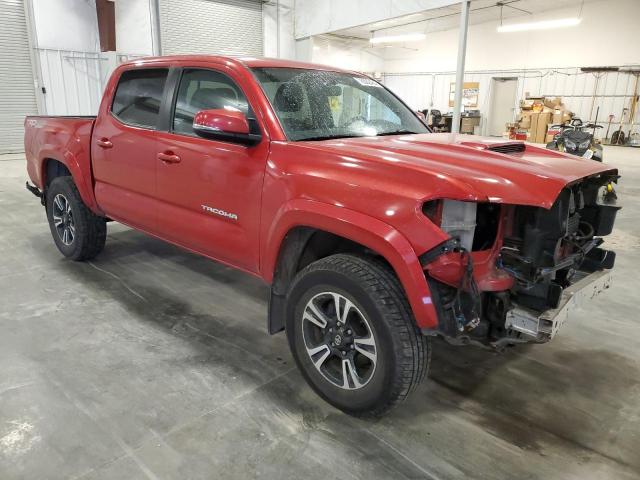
{"type": "Point", "coordinates": [503, 103]}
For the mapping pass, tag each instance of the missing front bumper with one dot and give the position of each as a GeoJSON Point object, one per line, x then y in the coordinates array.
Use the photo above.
{"type": "Point", "coordinates": [541, 327]}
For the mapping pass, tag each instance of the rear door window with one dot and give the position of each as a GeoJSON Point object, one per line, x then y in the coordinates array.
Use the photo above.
{"type": "Point", "coordinates": [138, 97]}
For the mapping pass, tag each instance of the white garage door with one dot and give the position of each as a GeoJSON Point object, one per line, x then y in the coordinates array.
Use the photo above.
{"type": "Point", "coordinates": [226, 27]}
{"type": "Point", "coordinates": [17, 95]}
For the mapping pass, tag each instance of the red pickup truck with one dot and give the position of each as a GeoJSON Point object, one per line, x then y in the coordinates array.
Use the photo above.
{"type": "Point", "coordinates": [373, 232]}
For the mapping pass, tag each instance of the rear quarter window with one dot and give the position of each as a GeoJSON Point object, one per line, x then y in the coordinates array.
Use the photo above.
{"type": "Point", "coordinates": [138, 97]}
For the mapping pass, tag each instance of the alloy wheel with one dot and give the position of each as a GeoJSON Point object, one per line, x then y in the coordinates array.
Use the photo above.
{"type": "Point", "coordinates": [63, 219]}
{"type": "Point", "coordinates": [339, 340]}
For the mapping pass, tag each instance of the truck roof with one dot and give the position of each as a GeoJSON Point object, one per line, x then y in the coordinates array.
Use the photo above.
{"type": "Point", "coordinates": [248, 62]}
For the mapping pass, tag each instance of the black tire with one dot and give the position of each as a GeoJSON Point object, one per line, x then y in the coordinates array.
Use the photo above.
{"type": "Point", "coordinates": [89, 230]}
{"type": "Point", "coordinates": [403, 353]}
{"type": "Point", "coordinates": [617, 138]}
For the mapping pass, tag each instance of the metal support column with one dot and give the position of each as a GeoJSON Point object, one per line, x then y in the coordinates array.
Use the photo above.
{"type": "Point", "coordinates": [154, 9]}
{"type": "Point", "coordinates": [462, 50]}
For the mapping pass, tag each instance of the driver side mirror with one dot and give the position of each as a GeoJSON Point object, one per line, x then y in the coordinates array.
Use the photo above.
{"type": "Point", "coordinates": [224, 125]}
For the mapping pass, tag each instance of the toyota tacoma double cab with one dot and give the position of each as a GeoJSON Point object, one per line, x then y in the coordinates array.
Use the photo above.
{"type": "Point", "coordinates": [374, 233]}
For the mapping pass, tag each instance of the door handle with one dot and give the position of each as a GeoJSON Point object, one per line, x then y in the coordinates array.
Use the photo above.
{"type": "Point", "coordinates": [104, 143]}
{"type": "Point", "coordinates": [169, 157]}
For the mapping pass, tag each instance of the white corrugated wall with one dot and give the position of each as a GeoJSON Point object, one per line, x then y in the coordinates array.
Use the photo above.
{"type": "Point", "coordinates": [431, 90]}
{"type": "Point", "coordinates": [17, 90]}
{"type": "Point", "coordinates": [74, 80]}
{"type": "Point", "coordinates": [227, 27]}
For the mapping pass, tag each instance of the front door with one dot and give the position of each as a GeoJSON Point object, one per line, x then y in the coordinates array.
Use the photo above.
{"type": "Point", "coordinates": [124, 149]}
{"type": "Point", "coordinates": [503, 104]}
{"type": "Point", "coordinates": [209, 191]}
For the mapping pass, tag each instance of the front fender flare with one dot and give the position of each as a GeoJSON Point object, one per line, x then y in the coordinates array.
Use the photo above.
{"type": "Point", "coordinates": [363, 229]}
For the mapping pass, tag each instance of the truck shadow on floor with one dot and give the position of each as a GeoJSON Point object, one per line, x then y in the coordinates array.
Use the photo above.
{"type": "Point", "coordinates": [537, 396]}
{"type": "Point", "coordinates": [532, 396]}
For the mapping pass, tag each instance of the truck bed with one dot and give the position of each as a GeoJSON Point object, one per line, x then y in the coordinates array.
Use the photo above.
{"type": "Point", "coordinates": [53, 138]}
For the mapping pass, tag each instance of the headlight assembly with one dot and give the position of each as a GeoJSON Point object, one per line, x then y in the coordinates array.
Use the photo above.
{"type": "Point", "coordinates": [584, 145]}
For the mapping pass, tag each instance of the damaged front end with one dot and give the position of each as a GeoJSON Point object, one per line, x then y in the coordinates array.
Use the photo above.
{"type": "Point", "coordinates": [510, 273]}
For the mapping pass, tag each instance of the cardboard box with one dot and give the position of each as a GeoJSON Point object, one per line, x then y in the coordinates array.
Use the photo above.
{"type": "Point", "coordinates": [541, 127]}
{"type": "Point", "coordinates": [540, 116]}
{"type": "Point", "coordinates": [524, 119]}
{"type": "Point", "coordinates": [556, 118]}
{"type": "Point", "coordinates": [533, 126]}
{"type": "Point", "coordinates": [552, 103]}
{"type": "Point", "coordinates": [526, 105]}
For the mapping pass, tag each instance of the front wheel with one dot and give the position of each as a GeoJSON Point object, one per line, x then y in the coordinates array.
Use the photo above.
{"type": "Point", "coordinates": [353, 336]}
{"type": "Point", "coordinates": [78, 233]}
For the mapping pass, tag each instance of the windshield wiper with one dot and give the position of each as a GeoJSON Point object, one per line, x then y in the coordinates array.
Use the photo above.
{"type": "Point", "coordinates": [396, 132]}
{"type": "Point", "coordinates": [331, 137]}
{"type": "Point", "coordinates": [327, 137]}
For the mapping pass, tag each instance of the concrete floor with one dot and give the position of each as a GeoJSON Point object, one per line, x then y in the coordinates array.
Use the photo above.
{"type": "Point", "coordinates": [151, 363]}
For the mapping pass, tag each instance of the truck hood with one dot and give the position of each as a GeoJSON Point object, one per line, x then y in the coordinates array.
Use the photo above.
{"type": "Point", "coordinates": [468, 167]}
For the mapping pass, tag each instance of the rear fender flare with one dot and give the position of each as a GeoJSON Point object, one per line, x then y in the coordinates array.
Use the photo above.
{"type": "Point", "coordinates": [364, 230]}
{"type": "Point", "coordinates": [79, 176]}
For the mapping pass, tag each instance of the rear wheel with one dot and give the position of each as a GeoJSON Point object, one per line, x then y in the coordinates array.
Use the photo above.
{"type": "Point", "coordinates": [78, 233]}
{"type": "Point", "coordinates": [353, 336]}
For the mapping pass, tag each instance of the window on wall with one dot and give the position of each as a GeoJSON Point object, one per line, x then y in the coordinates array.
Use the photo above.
{"type": "Point", "coordinates": [205, 90]}
{"type": "Point", "coordinates": [138, 97]}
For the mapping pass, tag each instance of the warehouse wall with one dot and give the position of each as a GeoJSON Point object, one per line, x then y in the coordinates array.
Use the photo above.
{"type": "Point", "coordinates": [17, 92]}
{"type": "Point", "coordinates": [71, 67]}
{"type": "Point", "coordinates": [616, 21]}
{"type": "Point", "coordinates": [277, 28]}
{"type": "Point", "coordinates": [69, 64]}
{"type": "Point", "coordinates": [315, 17]}
{"type": "Point", "coordinates": [341, 53]}
{"type": "Point", "coordinates": [133, 27]}
{"type": "Point", "coordinates": [431, 90]}
{"type": "Point", "coordinates": [66, 24]}
{"type": "Point", "coordinates": [545, 62]}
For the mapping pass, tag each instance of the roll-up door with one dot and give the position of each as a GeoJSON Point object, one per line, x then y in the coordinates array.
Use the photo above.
{"type": "Point", "coordinates": [17, 92]}
{"type": "Point", "coordinates": [225, 27]}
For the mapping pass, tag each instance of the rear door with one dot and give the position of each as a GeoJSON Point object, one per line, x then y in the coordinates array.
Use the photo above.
{"type": "Point", "coordinates": [123, 148]}
{"type": "Point", "coordinates": [209, 192]}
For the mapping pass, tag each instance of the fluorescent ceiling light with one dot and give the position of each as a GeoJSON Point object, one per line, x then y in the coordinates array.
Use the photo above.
{"type": "Point", "coordinates": [406, 37]}
{"type": "Point", "coordinates": [542, 25]}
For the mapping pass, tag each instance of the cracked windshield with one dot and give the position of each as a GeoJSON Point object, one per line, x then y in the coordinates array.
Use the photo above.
{"type": "Point", "coordinates": [320, 105]}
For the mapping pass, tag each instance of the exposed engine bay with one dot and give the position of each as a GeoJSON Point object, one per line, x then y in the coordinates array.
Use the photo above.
{"type": "Point", "coordinates": [509, 273]}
